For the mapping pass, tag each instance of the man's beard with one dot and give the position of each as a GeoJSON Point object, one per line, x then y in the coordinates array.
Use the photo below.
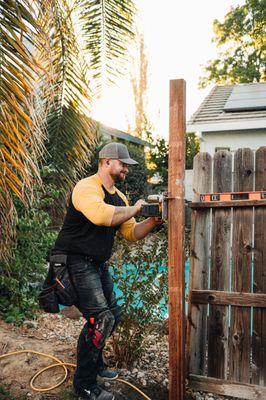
{"type": "Point", "coordinates": [118, 177]}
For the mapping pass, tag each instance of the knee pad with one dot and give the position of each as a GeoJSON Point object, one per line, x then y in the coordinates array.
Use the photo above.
{"type": "Point", "coordinates": [100, 328]}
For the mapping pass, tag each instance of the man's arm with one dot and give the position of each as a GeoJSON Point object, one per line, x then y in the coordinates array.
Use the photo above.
{"type": "Point", "coordinates": [123, 214]}
{"type": "Point", "coordinates": [88, 198]}
{"type": "Point", "coordinates": [143, 228]}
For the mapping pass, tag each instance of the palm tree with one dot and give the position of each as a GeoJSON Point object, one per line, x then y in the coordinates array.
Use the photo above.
{"type": "Point", "coordinates": [107, 27]}
{"type": "Point", "coordinates": [20, 137]}
{"type": "Point", "coordinates": [45, 92]}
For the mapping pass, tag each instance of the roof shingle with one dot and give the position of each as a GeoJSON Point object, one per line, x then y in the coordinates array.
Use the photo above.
{"type": "Point", "coordinates": [212, 108]}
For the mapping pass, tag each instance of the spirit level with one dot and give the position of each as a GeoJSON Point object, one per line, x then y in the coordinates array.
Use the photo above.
{"type": "Point", "coordinates": [235, 196]}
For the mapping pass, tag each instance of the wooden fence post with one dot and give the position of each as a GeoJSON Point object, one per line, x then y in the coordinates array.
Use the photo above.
{"type": "Point", "coordinates": [176, 219]}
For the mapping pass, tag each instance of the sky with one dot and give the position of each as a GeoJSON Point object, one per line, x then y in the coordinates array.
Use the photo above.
{"type": "Point", "coordinates": [178, 36]}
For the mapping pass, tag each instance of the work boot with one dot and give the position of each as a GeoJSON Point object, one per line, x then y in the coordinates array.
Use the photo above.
{"type": "Point", "coordinates": [94, 393]}
{"type": "Point", "coordinates": [108, 374]}
{"type": "Point", "coordinates": [103, 371]}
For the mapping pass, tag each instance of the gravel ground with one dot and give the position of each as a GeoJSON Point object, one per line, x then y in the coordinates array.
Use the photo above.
{"type": "Point", "coordinates": [57, 334]}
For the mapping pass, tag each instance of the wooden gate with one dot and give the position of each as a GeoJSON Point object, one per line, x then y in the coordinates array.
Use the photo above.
{"type": "Point", "coordinates": [226, 331]}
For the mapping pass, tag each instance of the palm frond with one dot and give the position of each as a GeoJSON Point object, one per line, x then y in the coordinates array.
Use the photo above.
{"type": "Point", "coordinates": [71, 132]}
{"type": "Point", "coordinates": [108, 26]}
{"type": "Point", "coordinates": [44, 83]}
{"type": "Point", "coordinates": [20, 139]}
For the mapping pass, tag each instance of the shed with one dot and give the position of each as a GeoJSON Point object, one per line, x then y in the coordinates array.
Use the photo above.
{"type": "Point", "coordinates": [115, 134]}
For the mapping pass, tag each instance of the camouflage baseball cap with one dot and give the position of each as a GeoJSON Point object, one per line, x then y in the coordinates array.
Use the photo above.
{"type": "Point", "coordinates": [117, 151]}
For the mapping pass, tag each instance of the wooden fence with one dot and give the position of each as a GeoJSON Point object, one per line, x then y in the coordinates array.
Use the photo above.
{"type": "Point", "coordinates": [226, 331]}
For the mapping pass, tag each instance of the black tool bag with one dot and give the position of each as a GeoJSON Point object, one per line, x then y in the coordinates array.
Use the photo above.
{"type": "Point", "coordinates": [57, 288]}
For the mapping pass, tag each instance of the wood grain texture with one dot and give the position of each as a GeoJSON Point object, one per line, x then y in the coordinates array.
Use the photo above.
{"type": "Point", "coordinates": [219, 268]}
{"type": "Point", "coordinates": [200, 242]}
{"type": "Point", "coordinates": [176, 228]}
{"type": "Point", "coordinates": [227, 204]}
{"type": "Point", "coordinates": [227, 388]}
{"type": "Point", "coordinates": [259, 286]}
{"type": "Point", "coordinates": [241, 299]}
{"type": "Point", "coordinates": [231, 354]}
{"type": "Point", "coordinates": [239, 338]}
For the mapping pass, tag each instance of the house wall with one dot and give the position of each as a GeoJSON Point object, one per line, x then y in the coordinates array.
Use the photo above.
{"type": "Point", "coordinates": [188, 184]}
{"type": "Point", "coordinates": [252, 139]}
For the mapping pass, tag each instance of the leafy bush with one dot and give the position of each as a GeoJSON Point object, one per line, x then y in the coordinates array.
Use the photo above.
{"type": "Point", "coordinates": [140, 275]}
{"type": "Point", "coordinates": [158, 157]}
{"type": "Point", "coordinates": [158, 160]}
{"type": "Point", "coordinates": [6, 395]}
{"type": "Point", "coordinates": [55, 198]}
{"type": "Point", "coordinates": [21, 275]}
{"type": "Point", "coordinates": [192, 148]}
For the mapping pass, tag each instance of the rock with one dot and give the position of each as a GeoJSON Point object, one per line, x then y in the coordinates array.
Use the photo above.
{"type": "Point", "coordinates": [31, 324]}
{"type": "Point", "coordinates": [71, 312]}
{"type": "Point", "coordinates": [58, 335]}
{"type": "Point", "coordinates": [124, 372]}
{"type": "Point", "coordinates": [199, 397]}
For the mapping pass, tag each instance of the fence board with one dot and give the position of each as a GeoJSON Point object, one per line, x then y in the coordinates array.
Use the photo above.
{"type": "Point", "coordinates": [220, 266]}
{"type": "Point", "coordinates": [236, 295]}
{"type": "Point", "coordinates": [241, 299]}
{"type": "Point", "coordinates": [197, 314]}
{"type": "Point", "coordinates": [228, 204]}
{"type": "Point", "coordinates": [239, 338]}
{"type": "Point", "coordinates": [227, 388]}
{"type": "Point", "coordinates": [259, 321]}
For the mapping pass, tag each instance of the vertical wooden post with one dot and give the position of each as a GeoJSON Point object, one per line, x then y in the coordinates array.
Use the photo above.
{"type": "Point", "coordinates": [176, 225]}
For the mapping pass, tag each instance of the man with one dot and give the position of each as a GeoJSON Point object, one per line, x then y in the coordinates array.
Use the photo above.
{"type": "Point", "coordinates": [97, 210]}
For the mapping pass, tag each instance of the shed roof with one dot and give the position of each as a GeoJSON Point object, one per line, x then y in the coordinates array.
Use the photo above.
{"type": "Point", "coordinates": [116, 133]}
{"type": "Point", "coordinates": [211, 115]}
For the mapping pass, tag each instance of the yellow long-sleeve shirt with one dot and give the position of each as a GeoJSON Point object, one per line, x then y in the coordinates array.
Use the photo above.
{"type": "Point", "coordinates": [89, 196]}
{"type": "Point", "coordinates": [87, 227]}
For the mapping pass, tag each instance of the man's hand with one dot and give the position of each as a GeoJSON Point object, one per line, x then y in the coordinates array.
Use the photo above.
{"type": "Point", "coordinates": [158, 220]}
{"type": "Point", "coordinates": [138, 205]}
{"type": "Point", "coordinates": [123, 214]}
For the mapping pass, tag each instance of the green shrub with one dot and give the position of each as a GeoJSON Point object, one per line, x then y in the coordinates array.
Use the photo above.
{"type": "Point", "coordinates": [55, 196]}
{"type": "Point", "coordinates": [6, 395]}
{"type": "Point", "coordinates": [140, 274]}
{"type": "Point", "coordinates": [158, 157]}
{"type": "Point", "coordinates": [158, 161]}
{"type": "Point", "coordinates": [20, 277]}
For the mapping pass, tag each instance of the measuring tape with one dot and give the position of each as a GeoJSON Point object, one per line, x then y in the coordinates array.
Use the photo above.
{"type": "Point", "coordinates": [229, 196]}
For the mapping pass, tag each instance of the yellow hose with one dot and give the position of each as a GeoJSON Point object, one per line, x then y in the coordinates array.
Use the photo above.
{"type": "Point", "coordinates": [134, 387]}
{"type": "Point", "coordinates": [63, 365]}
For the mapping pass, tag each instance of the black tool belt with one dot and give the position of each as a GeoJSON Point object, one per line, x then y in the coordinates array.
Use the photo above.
{"type": "Point", "coordinates": [57, 288]}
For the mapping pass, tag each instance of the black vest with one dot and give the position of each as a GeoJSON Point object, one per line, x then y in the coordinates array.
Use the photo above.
{"type": "Point", "coordinates": [79, 235]}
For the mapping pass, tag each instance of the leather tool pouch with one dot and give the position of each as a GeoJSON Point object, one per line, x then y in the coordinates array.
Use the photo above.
{"type": "Point", "coordinates": [57, 288]}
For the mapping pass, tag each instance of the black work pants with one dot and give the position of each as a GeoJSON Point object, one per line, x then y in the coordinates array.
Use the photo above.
{"type": "Point", "coordinates": [94, 286]}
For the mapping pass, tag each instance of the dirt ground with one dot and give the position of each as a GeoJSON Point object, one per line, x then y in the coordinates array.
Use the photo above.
{"type": "Point", "coordinates": [17, 371]}
{"type": "Point", "coordinates": [56, 334]}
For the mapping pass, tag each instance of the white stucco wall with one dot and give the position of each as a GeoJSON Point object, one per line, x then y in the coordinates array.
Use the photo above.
{"type": "Point", "coordinates": [188, 184]}
{"type": "Point", "coordinates": [209, 141]}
